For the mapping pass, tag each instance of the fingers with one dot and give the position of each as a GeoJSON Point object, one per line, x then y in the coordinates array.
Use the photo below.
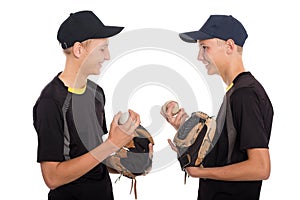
{"type": "Point", "coordinates": [133, 126]}
{"type": "Point", "coordinates": [127, 125]}
{"type": "Point", "coordinates": [117, 117]}
{"type": "Point", "coordinates": [194, 171]}
{"type": "Point", "coordinates": [171, 112]}
{"type": "Point", "coordinates": [172, 145]}
{"type": "Point", "coordinates": [132, 123]}
{"type": "Point", "coordinates": [134, 116]}
{"type": "Point", "coordinates": [181, 117]}
{"type": "Point", "coordinates": [121, 134]}
{"type": "Point", "coordinates": [169, 109]}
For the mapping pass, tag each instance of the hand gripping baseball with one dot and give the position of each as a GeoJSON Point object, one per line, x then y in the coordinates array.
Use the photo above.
{"type": "Point", "coordinates": [120, 134]}
{"type": "Point", "coordinates": [173, 114]}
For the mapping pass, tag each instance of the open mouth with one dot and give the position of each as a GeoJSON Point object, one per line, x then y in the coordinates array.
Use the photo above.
{"type": "Point", "coordinates": [206, 64]}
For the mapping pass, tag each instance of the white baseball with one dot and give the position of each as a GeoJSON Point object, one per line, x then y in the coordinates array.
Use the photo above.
{"type": "Point", "coordinates": [124, 117]}
{"type": "Point", "coordinates": [175, 109]}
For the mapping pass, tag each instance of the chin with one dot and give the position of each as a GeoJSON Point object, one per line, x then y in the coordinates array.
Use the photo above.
{"type": "Point", "coordinates": [210, 72]}
{"type": "Point", "coordinates": [96, 72]}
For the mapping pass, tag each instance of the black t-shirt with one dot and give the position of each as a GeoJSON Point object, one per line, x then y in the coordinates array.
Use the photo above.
{"type": "Point", "coordinates": [252, 114]}
{"type": "Point", "coordinates": [69, 125]}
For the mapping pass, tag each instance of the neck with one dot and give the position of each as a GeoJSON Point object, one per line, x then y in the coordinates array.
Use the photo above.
{"type": "Point", "coordinates": [234, 68]}
{"type": "Point", "coordinates": [72, 77]}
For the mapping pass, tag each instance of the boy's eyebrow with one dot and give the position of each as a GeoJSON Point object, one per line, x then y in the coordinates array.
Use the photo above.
{"type": "Point", "coordinates": [104, 45]}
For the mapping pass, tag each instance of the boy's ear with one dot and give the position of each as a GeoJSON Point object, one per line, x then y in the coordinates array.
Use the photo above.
{"type": "Point", "coordinates": [77, 49]}
{"type": "Point", "coordinates": [230, 46]}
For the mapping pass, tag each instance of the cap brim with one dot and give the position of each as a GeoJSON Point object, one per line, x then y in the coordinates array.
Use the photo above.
{"type": "Point", "coordinates": [193, 36]}
{"type": "Point", "coordinates": [108, 31]}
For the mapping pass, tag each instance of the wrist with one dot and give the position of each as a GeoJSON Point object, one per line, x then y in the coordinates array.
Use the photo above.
{"type": "Point", "coordinates": [109, 143]}
{"type": "Point", "coordinates": [104, 150]}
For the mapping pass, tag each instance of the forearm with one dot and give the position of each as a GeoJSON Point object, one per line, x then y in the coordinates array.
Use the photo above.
{"type": "Point", "coordinates": [59, 173]}
{"type": "Point", "coordinates": [257, 167]}
{"type": "Point", "coordinates": [235, 172]}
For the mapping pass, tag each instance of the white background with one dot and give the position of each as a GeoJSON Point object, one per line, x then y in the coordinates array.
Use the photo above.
{"type": "Point", "coordinates": [31, 56]}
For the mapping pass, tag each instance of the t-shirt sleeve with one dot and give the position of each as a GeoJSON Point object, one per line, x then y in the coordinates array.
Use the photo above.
{"type": "Point", "coordinates": [104, 124]}
{"type": "Point", "coordinates": [248, 119]}
{"type": "Point", "coordinates": [48, 123]}
{"type": "Point", "coordinates": [100, 96]}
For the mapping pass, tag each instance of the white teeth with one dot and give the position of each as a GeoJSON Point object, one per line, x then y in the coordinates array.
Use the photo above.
{"type": "Point", "coordinates": [205, 63]}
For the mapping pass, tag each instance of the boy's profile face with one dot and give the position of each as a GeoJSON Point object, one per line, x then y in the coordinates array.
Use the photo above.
{"type": "Point", "coordinates": [96, 52]}
{"type": "Point", "coordinates": [210, 54]}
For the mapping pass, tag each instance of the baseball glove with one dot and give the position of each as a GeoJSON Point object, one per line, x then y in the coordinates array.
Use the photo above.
{"type": "Point", "coordinates": [194, 139]}
{"type": "Point", "coordinates": [134, 158]}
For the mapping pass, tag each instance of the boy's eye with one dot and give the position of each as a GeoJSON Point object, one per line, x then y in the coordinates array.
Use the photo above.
{"type": "Point", "coordinates": [203, 47]}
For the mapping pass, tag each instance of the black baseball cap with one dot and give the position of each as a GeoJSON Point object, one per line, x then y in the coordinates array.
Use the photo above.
{"type": "Point", "coordinates": [218, 26]}
{"type": "Point", "coordinates": [81, 26]}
